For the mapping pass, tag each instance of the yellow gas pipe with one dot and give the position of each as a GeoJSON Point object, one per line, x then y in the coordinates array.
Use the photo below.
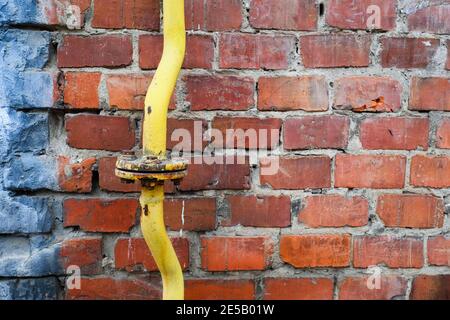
{"type": "Point", "coordinates": [154, 144]}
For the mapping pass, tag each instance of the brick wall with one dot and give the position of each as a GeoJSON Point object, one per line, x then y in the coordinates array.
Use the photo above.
{"type": "Point", "coordinates": [364, 159]}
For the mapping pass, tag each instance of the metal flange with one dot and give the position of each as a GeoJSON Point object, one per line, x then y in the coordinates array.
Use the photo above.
{"type": "Point", "coordinates": [149, 170]}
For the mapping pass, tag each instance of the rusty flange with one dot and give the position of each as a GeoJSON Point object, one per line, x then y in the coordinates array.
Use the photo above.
{"type": "Point", "coordinates": [148, 169]}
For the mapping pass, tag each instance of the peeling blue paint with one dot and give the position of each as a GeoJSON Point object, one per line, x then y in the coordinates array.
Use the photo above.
{"type": "Point", "coordinates": [29, 289]}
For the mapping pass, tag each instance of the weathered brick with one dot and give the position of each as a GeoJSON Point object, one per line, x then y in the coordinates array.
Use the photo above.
{"type": "Point", "coordinates": [312, 251]}
{"type": "Point", "coordinates": [335, 50]}
{"type": "Point", "coordinates": [443, 134]}
{"type": "Point", "coordinates": [408, 52]}
{"type": "Point", "coordinates": [85, 253]}
{"type": "Point", "coordinates": [430, 171]}
{"type": "Point", "coordinates": [309, 93]}
{"type": "Point", "coordinates": [75, 177]}
{"type": "Point", "coordinates": [319, 132]}
{"type": "Point", "coordinates": [447, 66]}
{"type": "Point", "coordinates": [232, 173]}
{"type": "Point", "coordinates": [30, 289]}
{"type": "Point", "coordinates": [199, 51]}
{"type": "Point", "coordinates": [109, 181]}
{"type": "Point", "coordinates": [126, 14]}
{"type": "Point", "coordinates": [219, 289]}
{"type": "Point", "coordinates": [394, 133]}
{"type": "Point", "coordinates": [370, 171]}
{"type": "Point", "coordinates": [410, 211]}
{"type": "Point", "coordinates": [213, 15]}
{"type": "Point", "coordinates": [307, 172]}
{"type": "Point", "coordinates": [128, 91]}
{"type": "Point", "coordinates": [100, 132]}
{"type": "Point", "coordinates": [432, 19]}
{"type": "Point", "coordinates": [368, 94]}
{"type": "Point", "coordinates": [95, 51]}
{"type": "Point", "coordinates": [284, 14]}
{"type": "Point", "coordinates": [185, 134]}
{"type": "Point", "coordinates": [298, 289]}
{"type": "Point", "coordinates": [357, 288]}
{"type": "Point", "coordinates": [25, 214]}
{"type": "Point", "coordinates": [248, 133]}
{"type": "Point", "coordinates": [255, 51]}
{"type": "Point", "coordinates": [431, 287]}
{"type": "Point", "coordinates": [220, 92]}
{"type": "Point", "coordinates": [191, 214]}
{"type": "Point", "coordinates": [432, 93]}
{"type": "Point", "coordinates": [388, 250]}
{"type": "Point", "coordinates": [334, 211]}
{"type": "Point", "coordinates": [133, 254]}
{"type": "Point", "coordinates": [100, 215]}
{"type": "Point", "coordinates": [349, 14]}
{"type": "Point", "coordinates": [106, 288]}
{"type": "Point", "coordinates": [438, 249]}
{"type": "Point", "coordinates": [236, 253]}
{"type": "Point", "coordinates": [259, 211]}
{"type": "Point", "coordinates": [81, 89]}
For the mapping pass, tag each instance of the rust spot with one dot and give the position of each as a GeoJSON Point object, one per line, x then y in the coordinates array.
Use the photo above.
{"type": "Point", "coordinates": [376, 105]}
{"type": "Point", "coordinates": [145, 210]}
{"type": "Point", "coordinates": [149, 109]}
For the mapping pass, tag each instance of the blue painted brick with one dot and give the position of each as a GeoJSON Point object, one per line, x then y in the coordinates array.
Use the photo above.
{"type": "Point", "coordinates": [31, 173]}
{"type": "Point", "coordinates": [22, 132]}
{"type": "Point", "coordinates": [20, 12]}
{"type": "Point", "coordinates": [21, 49]}
{"type": "Point", "coordinates": [24, 214]}
{"type": "Point", "coordinates": [29, 289]}
{"type": "Point", "coordinates": [29, 89]}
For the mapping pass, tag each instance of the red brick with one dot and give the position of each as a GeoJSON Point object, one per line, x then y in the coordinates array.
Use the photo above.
{"type": "Point", "coordinates": [432, 19]}
{"type": "Point", "coordinates": [298, 289]}
{"type": "Point", "coordinates": [350, 14]}
{"type": "Point", "coordinates": [195, 127]}
{"type": "Point", "coordinates": [133, 254]}
{"type": "Point", "coordinates": [370, 171]}
{"type": "Point", "coordinates": [283, 14]}
{"type": "Point", "coordinates": [219, 289]}
{"type": "Point", "coordinates": [410, 211]}
{"type": "Point", "coordinates": [358, 288]}
{"type": "Point", "coordinates": [427, 287]}
{"type": "Point", "coordinates": [386, 250]}
{"type": "Point", "coordinates": [259, 211]}
{"type": "Point", "coordinates": [108, 180]}
{"type": "Point", "coordinates": [231, 174]}
{"type": "Point", "coordinates": [408, 52]}
{"type": "Point", "coordinates": [199, 51]}
{"type": "Point", "coordinates": [394, 133]}
{"type": "Point", "coordinates": [126, 14]}
{"type": "Point", "coordinates": [95, 51]}
{"type": "Point", "coordinates": [255, 51]}
{"type": "Point", "coordinates": [127, 91]}
{"type": "Point", "coordinates": [81, 90]}
{"type": "Point", "coordinates": [213, 15]}
{"type": "Point", "coordinates": [335, 50]}
{"type": "Point", "coordinates": [431, 93]}
{"type": "Point", "coordinates": [443, 134]}
{"type": "Point", "coordinates": [100, 132]}
{"type": "Point", "coordinates": [75, 177]}
{"type": "Point", "coordinates": [107, 288]}
{"type": "Point", "coordinates": [368, 94]}
{"type": "Point", "coordinates": [199, 214]}
{"type": "Point", "coordinates": [100, 215]}
{"type": "Point", "coordinates": [236, 253]}
{"type": "Point", "coordinates": [86, 253]}
{"type": "Point", "coordinates": [248, 133]}
{"type": "Point", "coordinates": [55, 11]}
{"type": "Point", "coordinates": [319, 132]}
{"type": "Point", "coordinates": [220, 92]}
{"type": "Point", "coordinates": [432, 171]}
{"type": "Point", "coordinates": [439, 251]}
{"type": "Point", "coordinates": [334, 211]}
{"type": "Point", "coordinates": [312, 251]}
{"type": "Point", "coordinates": [306, 172]}
{"type": "Point", "coordinates": [309, 93]}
